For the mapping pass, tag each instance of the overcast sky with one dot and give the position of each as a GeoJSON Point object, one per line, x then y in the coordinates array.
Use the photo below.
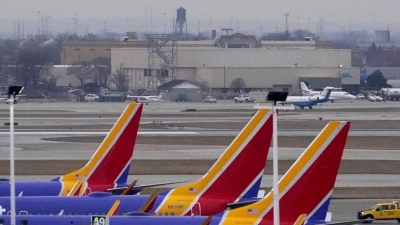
{"type": "Point", "coordinates": [348, 14]}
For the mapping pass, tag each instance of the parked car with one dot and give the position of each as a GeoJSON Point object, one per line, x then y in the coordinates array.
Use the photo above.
{"type": "Point", "coordinates": [360, 96]}
{"type": "Point", "coordinates": [91, 98]}
{"type": "Point", "coordinates": [210, 99]}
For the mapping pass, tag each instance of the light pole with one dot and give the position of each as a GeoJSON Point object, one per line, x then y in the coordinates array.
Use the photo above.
{"type": "Point", "coordinates": [12, 92]}
{"type": "Point", "coordinates": [340, 77]}
{"type": "Point", "coordinates": [224, 77]}
{"type": "Point", "coordinates": [275, 97]}
{"type": "Point", "coordinates": [38, 12]}
{"type": "Point", "coordinates": [165, 28]}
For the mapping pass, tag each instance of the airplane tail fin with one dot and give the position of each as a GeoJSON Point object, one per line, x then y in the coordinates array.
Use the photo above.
{"type": "Point", "coordinates": [307, 186]}
{"type": "Point", "coordinates": [110, 163]}
{"type": "Point", "coordinates": [326, 93]}
{"type": "Point", "coordinates": [304, 88]}
{"type": "Point", "coordinates": [236, 174]}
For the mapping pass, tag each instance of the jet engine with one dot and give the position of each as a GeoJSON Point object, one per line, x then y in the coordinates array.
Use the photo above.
{"type": "Point", "coordinates": [313, 98]}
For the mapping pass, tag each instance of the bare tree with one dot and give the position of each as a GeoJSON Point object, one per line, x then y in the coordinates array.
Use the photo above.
{"type": "Point", "coordinates": [103, 68]}
{"type": "Point", "coordinates": [82, 70]}
{"type": "Point", "coordinates": [30, 64]}
{"type": "Point", "coordinates": [120, 79]}
{"type": "Point", "coordinates": [238, 84]}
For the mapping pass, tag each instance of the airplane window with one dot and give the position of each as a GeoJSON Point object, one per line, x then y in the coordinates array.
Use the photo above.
{"type": "Point", "coordinates": [160, 214]}
{"type": "Point", "coordinates": [166, 213]}
{"type": "Point", "coordinates": [172, 214]}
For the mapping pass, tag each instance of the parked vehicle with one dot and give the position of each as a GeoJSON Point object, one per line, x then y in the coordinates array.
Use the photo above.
{"type": "Point", "coordinates": [243, 98]}
{"type": "Point", "coordinates": [381, 211]}
{"type": "Point", "coordinates": [91, 98]}
{"type": "Point", "coordinates": [393, 94]}
{"type": "Point", "coordinates": [210, 99]}
{"type": "Point", "coordinates": [360, 96]}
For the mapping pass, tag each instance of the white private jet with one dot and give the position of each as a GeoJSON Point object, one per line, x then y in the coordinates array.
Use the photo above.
{"type": "Point", "coordinates": [145, 98]}
{"type": "Point", "coordinates": [335, 95]}
{"type": "Point", "coordinates": [308, 101]}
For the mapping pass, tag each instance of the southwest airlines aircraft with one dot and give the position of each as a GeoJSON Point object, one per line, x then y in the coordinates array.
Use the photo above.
{"type": "Point", "coordinates": [305, 192]}
{"type": "Point", "coordinates": [234, 180]}
{"type": "Point", "coordinates": [335, 95]}
{"type": "Point", "coordinates": [107, 169]}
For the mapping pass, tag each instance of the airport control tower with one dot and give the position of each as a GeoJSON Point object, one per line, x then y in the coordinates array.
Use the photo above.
{"type": "Point", "coordinates": [180, 20]}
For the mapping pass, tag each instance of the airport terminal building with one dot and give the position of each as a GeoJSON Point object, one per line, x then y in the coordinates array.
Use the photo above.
{"type": "Point", "coordinates": [227, 64]}
{"type": "Point", "coordinates": [251, 69]}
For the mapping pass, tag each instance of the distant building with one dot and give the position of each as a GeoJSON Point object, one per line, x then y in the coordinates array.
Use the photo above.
{"type": "Point", "coordinates": [382, 36]}
{"type": "Point", "coordinates": [238, 40]}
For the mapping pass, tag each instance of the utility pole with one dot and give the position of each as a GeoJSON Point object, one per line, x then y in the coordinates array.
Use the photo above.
{"type": "Point", "coordinates": [38, 12]}
{"type": "Point", "coordinates": [127, 24]}
{"type": "Point", "coordinates": [105, 29]}
{"type": "Point", "coordinates": [165, 25]}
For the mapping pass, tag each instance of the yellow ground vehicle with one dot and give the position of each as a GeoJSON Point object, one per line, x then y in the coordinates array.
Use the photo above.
{"type": "Point", "coordinates": [381, 211]}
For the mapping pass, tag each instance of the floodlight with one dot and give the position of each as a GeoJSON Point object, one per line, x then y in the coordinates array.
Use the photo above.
{"type": "Point", "coordinates": [277, 96]}
{"type": "Point", "coordinates": [14, 90]}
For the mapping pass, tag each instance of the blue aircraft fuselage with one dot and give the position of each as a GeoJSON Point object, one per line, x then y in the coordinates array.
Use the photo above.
{"type": "Point", "coordinates": [30, 188]}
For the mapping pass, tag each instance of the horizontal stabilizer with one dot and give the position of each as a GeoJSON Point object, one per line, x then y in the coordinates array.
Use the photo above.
{"type": "Point", "coordinates": [135, 189]}
{"type": "Point", "coordinates": [235, 205]}
{"type": "Point", "coordinates": [347, 222]}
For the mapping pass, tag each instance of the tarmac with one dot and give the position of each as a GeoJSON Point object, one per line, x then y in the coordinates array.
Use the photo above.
{"type": "Point", "coordinates": [45, 121]}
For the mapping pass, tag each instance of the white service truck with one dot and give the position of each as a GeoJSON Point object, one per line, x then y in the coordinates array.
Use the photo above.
{"type": "Point", "coordinates": [243, 98]}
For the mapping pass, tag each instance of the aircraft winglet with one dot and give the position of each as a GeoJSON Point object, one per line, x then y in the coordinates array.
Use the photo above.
{"type": "Point", "coordinates": [129, 188]}
{"type": "Point", "coordinates": [207, 221]}
{"type": "Point", "coordinates": [148, 205]}
{"type": "Point", "coordinates": [114, 209]}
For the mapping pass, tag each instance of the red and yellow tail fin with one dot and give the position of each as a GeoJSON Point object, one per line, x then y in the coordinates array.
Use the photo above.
{"type": "Point", "coordinates": [232, 176]}
{"type": "Point", "coordinates": [112, 158]}
{"type": "Point", "coordinates": [305, 185]}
